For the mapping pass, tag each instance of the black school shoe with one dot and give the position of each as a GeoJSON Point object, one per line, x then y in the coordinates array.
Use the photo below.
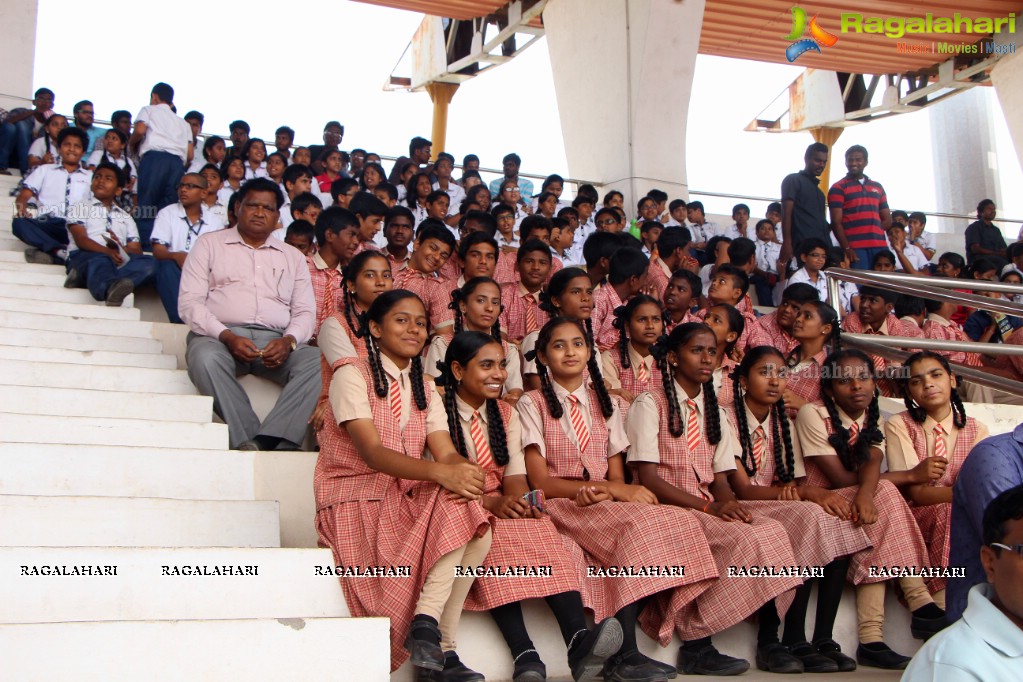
{"type": "Point", "coordinates": [423, 645]}
{"type": "Point", "coordinates": [118, 291]}
{"type": "Point", "coordinates": [812, 661]}
{"type": "Point", "coordinates": [924, 627]}
{"type": "Point", "coordinates": [529, 667]}
{"type": "Point", "coordinates": [776, 658]}
{"type": "Point", "coordinates": [456, 671]}
{"type": "Point", "coordinates": [709, 661]}
{"type": "Point", "coordinates": [586, 659]}
{"type": "Point", "coordinates": [880, 656]}
{"type": "Point", "coordinates": [616, 669]}
{"type": "Point", "coordinates": [830, 649]}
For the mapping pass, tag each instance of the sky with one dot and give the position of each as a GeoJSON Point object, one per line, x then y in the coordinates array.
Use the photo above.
{"type": "Point", "coordinates": [330, 59]}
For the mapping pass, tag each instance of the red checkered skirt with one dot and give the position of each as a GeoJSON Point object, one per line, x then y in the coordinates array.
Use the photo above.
{"type": "Point", "coordinates": [935, 520]}
{"type": "Point", "coordinates": [529, 543]}
{"type": "Point", "coordinates": [613, 534]}
{"type": "Point", "coordinates": [761, 543]}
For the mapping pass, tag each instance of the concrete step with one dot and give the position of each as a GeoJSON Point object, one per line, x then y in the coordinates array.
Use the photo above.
{"type": "Point", "coordinates": [40, 400]}
{"type": "Point", "coordinates": [83, 325]}
{"type": "Point", "coordinates": [23, 266]}
{"type": "Point", "coordinates": [97, 310]}
{"type": "Point", "coordinates": [8, 242]}
{"type": "Point", "coordinates": [152, 584]}
{"type": "Point", "coordinates": [35, 292]}
{"type": "Point", "coordinates": [77, 357]}
{"type": "Point", "coordinates": [266, 650]}
{"type": "Point", "coordinates": [71, 340]}
{"type": "Point", "coordinates": [136, 522]}
{"type": "Point", "coordinates": [20, 277]}
{"type": "Point", "coordinates": [20, 428]}
{"type": "Point", "coordinates": [122, 471]}
{"type": "Point", "coordinates": [44, 373]}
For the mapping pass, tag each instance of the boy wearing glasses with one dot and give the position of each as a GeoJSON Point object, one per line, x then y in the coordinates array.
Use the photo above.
{"type": "Point", "coordinates": [609, 220]}
{"type": "Point", "coordinates": [175, 231]}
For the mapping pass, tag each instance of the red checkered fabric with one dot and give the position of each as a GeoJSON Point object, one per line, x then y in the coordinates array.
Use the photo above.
{"type": "Point", "coordinates": [366, 246]}
{"type": "Point", "coordinates": [632, 379]}
{"type": "Point", "coordinates": [327, 374]}
{"type": "Point", "coordinates": [952, 332]}
{"type": "Point", "coordinates": [368, 518]}
{"type": "Point", "coordinates": [895, 538]}
{"type": "Point", "coordinates": [934, 520]}
{"type": "Point", "coordinates": [687, 464]}
{"type": "Point", "coordinates": [507, 268]}
{"type": "Point", "coordinates": [895, 327]}
{"type": "Point", "coordinates": [624, 533]}
{"type": "Point", "coordinates": [397, 264]}
{"type": "Point", "coordinates": [805, 381]}
{"type": "Point", "coordinates": [688, 317]}
{"type": "Point", "coordinates": [514, 320]}
{"type": "Point", "coordinates": [751, 336]}
{"type": "Point", "coordinates": [326, 290]}
{"type": "Point", "coordinates": [524, 542]}
{"type": "Point", "coordinates": [434, 291]}
{"type": "Point", "coordinates": [726, 391]}
{"type": "Point", "coordinates": [817, 537]}
{"type": "Point", "coordinates": [605, 300]}
{"type": "Point", "coordinates": [774, 335]}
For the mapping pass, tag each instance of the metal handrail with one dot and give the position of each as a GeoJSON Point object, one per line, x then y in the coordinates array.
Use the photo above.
{"type": "Point", "coordinates": [933, 344]}
{"type": "Point", "coordinates": [972, 374]}
{"type": "Point", "coordinates": [946, 282]}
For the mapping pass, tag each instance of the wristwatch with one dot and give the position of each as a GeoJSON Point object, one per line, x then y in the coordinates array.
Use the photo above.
{"type": "Point", "coordinates": [294, 343]}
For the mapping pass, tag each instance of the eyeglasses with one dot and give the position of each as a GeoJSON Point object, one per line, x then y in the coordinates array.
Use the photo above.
{"type": "Point", "coordinates": [511, 189]}
{"type": "Point", "coordinates": [606, 221]}
{"type": "Point", "coordinates": [189, 185]}
{"type": "Point", "coordinates": [1018, 549]}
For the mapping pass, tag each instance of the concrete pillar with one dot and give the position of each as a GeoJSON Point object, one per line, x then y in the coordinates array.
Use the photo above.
{"type": "Point", "coordinates": [828, 136]}
{"type": "Point", "coordinates": [623, 71]}
{"type": "Point", "coordinates": [440, 95]}
{"type": "Point", "coordinates": [17, 51]}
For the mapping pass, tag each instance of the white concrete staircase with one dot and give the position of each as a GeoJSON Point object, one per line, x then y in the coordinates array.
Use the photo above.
{"type": "Point", "coordinates": [110, 460]}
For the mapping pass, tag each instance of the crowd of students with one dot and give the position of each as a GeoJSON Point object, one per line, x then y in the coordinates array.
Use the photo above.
{"type": "Point", "coordinates": [515, 380]}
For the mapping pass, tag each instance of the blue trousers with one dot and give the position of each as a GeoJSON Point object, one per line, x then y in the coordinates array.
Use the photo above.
{"type": "Point", "coordinates": [168, 281]}
{"type": "Point", "coordinates": [99, 271]}
{"type": "Point", "coordinates": [159, 175]}
{"type": "Point", "coordinates": [16, 137]}
{"type": "Point", "coordinates": [46, 234]}
{"type": "Point", "coordinates": [866, 257]}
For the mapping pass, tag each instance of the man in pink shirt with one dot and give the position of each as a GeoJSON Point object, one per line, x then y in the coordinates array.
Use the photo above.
{"type": "Point", "coordinates": [248, 301]}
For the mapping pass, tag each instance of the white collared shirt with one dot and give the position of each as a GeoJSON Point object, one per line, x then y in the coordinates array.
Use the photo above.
{"type": "Point", "coordinates": [172, 228]}
{"type": "Point", "coordinates": [165, 131]}
{"type": "Point", "coordinates": [767, 256]}
{"type": "Point", "coordinates": [802, 276]}
{"type": "Point", "coordinates": [93, 215]}
{"type": "Point", "coordinates": [53, 193]}
{"type": "Point", "coordinates": [455, 193]}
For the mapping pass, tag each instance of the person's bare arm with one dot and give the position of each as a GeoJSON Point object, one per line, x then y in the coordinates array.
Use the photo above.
{"type": "Point", "coordinates": [138, 134]}
{"type": "Point", "coordinates": [21, 202]}
{"type": "Point", "coordinates": [835, 471]}
{"type": "Point", "coordinates": [886, 218]}
{"type": "Point", "coordinates": [785, 254]}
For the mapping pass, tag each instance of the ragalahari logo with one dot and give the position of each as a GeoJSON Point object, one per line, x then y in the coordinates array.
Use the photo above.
{"type": "Point", "coordinates": [818, 36]}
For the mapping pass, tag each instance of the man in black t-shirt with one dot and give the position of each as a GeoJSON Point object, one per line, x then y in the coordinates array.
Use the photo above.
{"type": "Point", "coordinates": [803, 207]}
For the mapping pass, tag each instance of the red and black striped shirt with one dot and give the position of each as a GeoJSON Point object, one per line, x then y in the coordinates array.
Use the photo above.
{"type": "Point", "coordinates": [861, 205]}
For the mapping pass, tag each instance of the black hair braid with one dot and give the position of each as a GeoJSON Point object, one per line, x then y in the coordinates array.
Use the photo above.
{"type": "Point", "coordinates": [456, 298]}
{"type": "Point", "coordinates": [958, 409]}
{"type": "Point", "coordinates": [712, 416]}
{"type": "Point", "coordinates": [839, 437]}
{"type": "Point", "coordinates": [780, 427]}
{"type": "Point", "coordinates": [547, 388]}
{"type": "Point", "coordinates": [418, 386]}
{"type": "Point", "coordinates": [589, 331]}
{"type": "Point", "coordinates": [607, 407]}
{"type": "Point", "coordinates": [916, 413]}
{"type": "Point", "coordinates": [380, 384]}
{"type": "Point", "coordinates": [749, 463]}
{"type": "Point", "coordinates": [660, 352]}
{"type": "Point", "coordinates": [496, 433]}
{"type": "Point", "coordinates": [451, 408]}
{"type": "Point", "coordinates": [354, 323]}
{"type": "Point", "coordinates": [495, 329]}
{"type": "Point", "coordinates": [871, 434]}
{"type": "Point", "coordinates": [836, 338]}
{"type": "Point", "coordinates": [620, 323]}
{"type": "Point", "coordinates": [546, 304]}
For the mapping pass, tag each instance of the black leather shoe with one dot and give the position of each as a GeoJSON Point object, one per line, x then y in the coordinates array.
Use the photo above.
{"type": "Point", "coordinates": [709, 661]}
{"type": "Point", "coordinates": [248, 445]}
{"type": "Point", "coordinates": [829, 648]}
{"type": "Point", "coordinates": [529, 667]}
{"type": "Point", "coordinates": [422, 643]}
{"type": "Point", "coordinates": [812, 661]}
{"type": "Point", "coordinates": [456, 671]}
{"type": "Point", "coordinates": [587, 657]}
{"type": "Point", "coordinates": [925, 628]}
{"type": "Point", "coordinates": [617, 670]}
{"type": "Point", "coordinates": [119, 290]}
{"type": "Point", "coordinates": [881, 658]}
{"type": "Point", "coordinates": [427, 675]}
{"type": "Point", "coordinates": [73, 279]}
{"type": "Point", "coordinates": [667, 669]}
{"type": "Point", "coordinates": [776, 658]}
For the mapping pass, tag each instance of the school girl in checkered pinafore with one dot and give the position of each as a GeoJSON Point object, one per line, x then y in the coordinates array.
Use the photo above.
{"type": "Point", "coordinates": [377, 504]}
{"type": "Point", "coordinates": [771, 467]}
{"type": "Point", "coordinates": [568, 294]}
{"type": "Point", "coordinates": [843, 447]}
{"type": "Point", "coordinates": [934, 425]}
{"type": "Point", "coordinates": [681, 449]}
{"type": "Point", "coordinates": [629, 367]}
{"type": "Point", "coordinates": [727, 323]}
{"type": "Point", "coordinates": [477, 307]}
{"type": "Point", "coordinates": [364, 278]}
{"type": "Point", "coordinates": [816, 329]}
{"type": "Point", "coordinates": [486, 431]}
{"type": "Point", "coordinates": [573, 436]}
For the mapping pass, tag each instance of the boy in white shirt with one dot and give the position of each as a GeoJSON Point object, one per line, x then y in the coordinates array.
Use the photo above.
{"type": "Point", "coordinates": [765, 276]}
{"type": "Point", "coordinates": [740, 228]}
{"type": "Point", "coordinates": [297, 179]}
{"type": "Point", "coordinates": [104, 251]}
{"type": "Point", "coordinates": [699, 227]}
{"type": "Point", "coordinates": [443, 168]}
{"type": "Point", "coordinates": [175, 232]}
{"type": "Point", "coordinates": [814, 254]}
{"type": "Point", "coordinates": [213, 202]}
{"type": "Point", "coordinates": [52, 188]}
{"type": "Point", "coordinates": [717, 248]}
{"type": "Point", "coordinates": [306, 206]}
{"type": "Point", "coordinates": [919, 235]}
{"type": "Point", "coordinates": [909, 258]}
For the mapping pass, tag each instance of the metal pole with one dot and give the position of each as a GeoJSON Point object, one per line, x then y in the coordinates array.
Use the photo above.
{"type": "Point", "coordinates": [926, 291]}
{"type": "Point", "coordinates": [935, 344]}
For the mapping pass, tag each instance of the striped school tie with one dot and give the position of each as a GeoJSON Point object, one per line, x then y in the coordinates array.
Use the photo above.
{"type": "Point", "coordinates": [479, 440]}
{"type": "Point", "coordinates": [759, 446]}
{"type": "Point", "coordinates": [395, 394]}
{"type": "Point", "coordinates": [854, 433]}
{"type": "Point", "coordinates": [692, 426]}
{"type": "Point", "coordinates": [575, 415]}
{"type": "Point", "coordinates": [531, 322]}
{"type": "Point", "coordinates": [642, 373]}
{"type": "Point", "coordinates": [940, 449]}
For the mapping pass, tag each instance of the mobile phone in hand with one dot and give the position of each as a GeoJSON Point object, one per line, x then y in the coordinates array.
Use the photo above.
{"type": "Point", "coordinates": [535, 498]}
